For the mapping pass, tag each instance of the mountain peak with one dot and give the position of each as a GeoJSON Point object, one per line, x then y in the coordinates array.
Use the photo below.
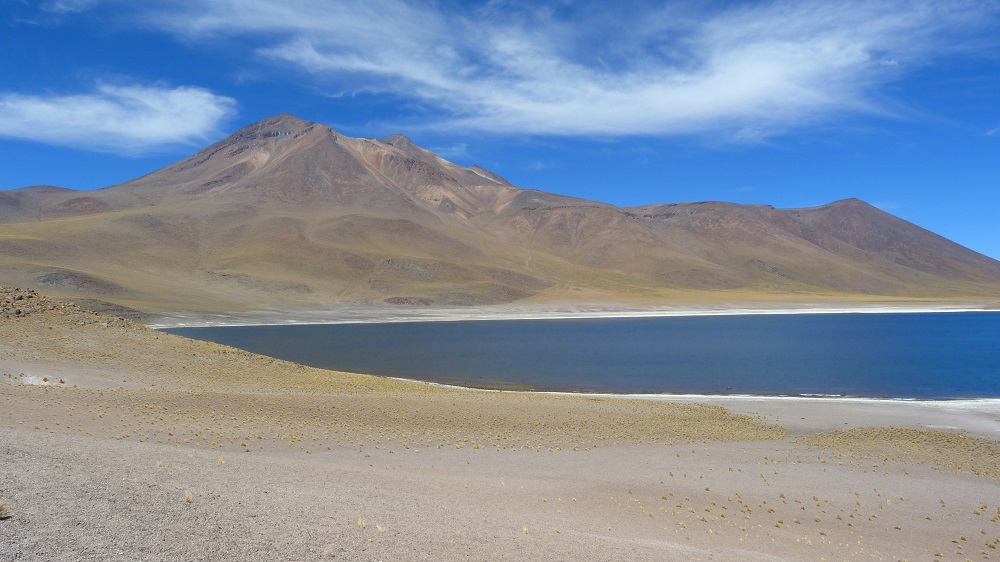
{"type": "Point", "coordinates": [399, 140]}
{"type": "Point", "coordinates": [276, 126]}
{"type": "Point", "coordinates": [850, 202]}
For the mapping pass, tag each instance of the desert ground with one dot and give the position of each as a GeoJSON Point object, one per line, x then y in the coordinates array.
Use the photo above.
{"type": "Point", "coordinates": [118, 442]}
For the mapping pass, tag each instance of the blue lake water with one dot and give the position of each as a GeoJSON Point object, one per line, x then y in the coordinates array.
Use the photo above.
{"type": "Point", "coordinates": [899, 355]}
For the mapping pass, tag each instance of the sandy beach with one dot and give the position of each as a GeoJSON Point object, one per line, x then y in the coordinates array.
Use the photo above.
{"type": "Point", "coordinates": [119, 442]}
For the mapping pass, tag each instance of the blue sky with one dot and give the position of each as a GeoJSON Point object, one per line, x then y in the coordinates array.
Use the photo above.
{"type": "Point", "coordinates": [792, 104]}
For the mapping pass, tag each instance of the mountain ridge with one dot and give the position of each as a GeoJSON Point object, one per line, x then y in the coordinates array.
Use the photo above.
{"type": "Point", "coordinates": [285, 210]}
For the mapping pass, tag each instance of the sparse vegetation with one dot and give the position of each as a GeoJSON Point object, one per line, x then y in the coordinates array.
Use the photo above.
{"type": "Point", "coordinates": [945, 450]}
{"type": "Point", "coordinates": [205, 402]}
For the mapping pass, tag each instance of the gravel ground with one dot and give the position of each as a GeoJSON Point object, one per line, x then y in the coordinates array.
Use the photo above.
{"type": "Point", "coordinates": [121, 443]}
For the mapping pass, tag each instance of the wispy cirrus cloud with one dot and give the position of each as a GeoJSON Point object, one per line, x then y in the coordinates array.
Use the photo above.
{"type": "Point", "coordinates": [746, 71]}
{"type": "Point", "coordinates": [457, 150]}
{"type": "Point", "coordinates": [68, 6]}
{"type": "Point", "coordinates": [125, 119]}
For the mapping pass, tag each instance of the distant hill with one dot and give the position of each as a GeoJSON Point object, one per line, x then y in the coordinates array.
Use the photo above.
{"type": "Point", "coordinates": [286, 212]}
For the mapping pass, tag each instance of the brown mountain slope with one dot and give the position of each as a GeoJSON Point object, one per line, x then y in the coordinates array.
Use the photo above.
{"type": "Point", "coordinates": [33, 202]}
{"type": "Point", "coordinates": [290, 213]}
{"type": "Point", "coordinates": [846, 246]}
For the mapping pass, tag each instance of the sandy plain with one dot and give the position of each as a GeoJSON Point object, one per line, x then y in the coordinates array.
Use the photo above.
{"type": "Point", "coordinates": [120, 442]}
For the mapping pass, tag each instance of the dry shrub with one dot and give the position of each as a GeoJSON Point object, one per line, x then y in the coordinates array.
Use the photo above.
{"type": "Point", "coordinates": [944, 450]}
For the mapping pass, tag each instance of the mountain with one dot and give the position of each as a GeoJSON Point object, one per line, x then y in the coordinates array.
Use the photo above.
{"type": "Point", "coordinates": [285, 212]}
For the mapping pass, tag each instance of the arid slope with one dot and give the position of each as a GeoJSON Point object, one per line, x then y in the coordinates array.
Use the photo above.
{"type": "Point", "coordinates": [290, 213]}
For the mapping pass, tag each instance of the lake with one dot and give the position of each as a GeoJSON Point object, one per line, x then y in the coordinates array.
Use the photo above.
{"type": "Point", "coordinates": [898, 355]}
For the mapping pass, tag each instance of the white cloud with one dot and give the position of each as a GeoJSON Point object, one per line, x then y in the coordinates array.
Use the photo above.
{"type": "Point", "coordinates": [128, 119]}
{"type": "Point", "coordinates": [746, 71]}
{"type": "Point", "coordinates": [993, 132]}
{"type": "Point", "coordinates": [457, 150]}
{"type": "Point", "coordinates": [68, 6]}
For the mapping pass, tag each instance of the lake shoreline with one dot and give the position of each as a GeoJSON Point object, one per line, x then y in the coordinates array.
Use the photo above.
{"type": "Point", "coordinates": [882, 356]}
{"type": "Point", "coordinates": [772, 405]}
{"type": "Point", "coordinates": [355, 314]}
{"type": "Point", "coordinates": [688, 396]}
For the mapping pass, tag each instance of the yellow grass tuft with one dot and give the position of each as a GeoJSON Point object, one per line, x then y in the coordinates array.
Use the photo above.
{"type": "Point", "coordinates": [944, 450]}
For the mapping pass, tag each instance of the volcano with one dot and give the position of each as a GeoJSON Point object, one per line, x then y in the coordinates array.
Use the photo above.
{"type": "Point", "coordinates": [285, 212]}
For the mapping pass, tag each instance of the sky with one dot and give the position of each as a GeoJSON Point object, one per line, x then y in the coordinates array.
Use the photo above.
{"type": "Point", "coordinates": [786, 103]}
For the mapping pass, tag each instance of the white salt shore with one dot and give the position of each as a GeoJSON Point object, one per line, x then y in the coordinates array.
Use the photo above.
{"type": "Point", "coordinates": [360, 314]}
